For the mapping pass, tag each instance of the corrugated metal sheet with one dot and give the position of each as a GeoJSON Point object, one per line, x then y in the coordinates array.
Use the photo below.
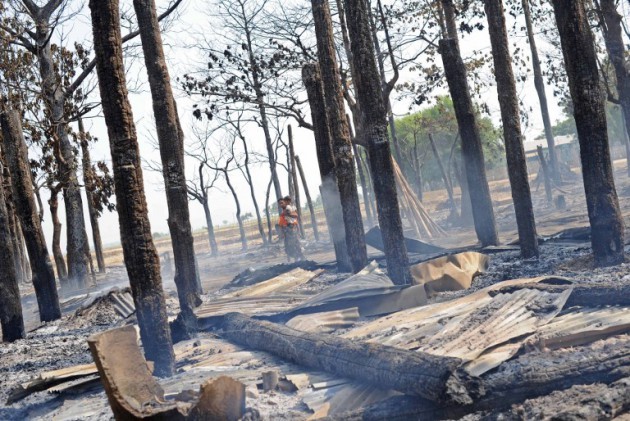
{"type": "Point", "coordinates": [325, 322]}
{"type": "Point", "coordinates": [582, 326]}
{"type": "Point", "coordinates": [249, 305]}
{"type": "Point", "coordinates": [282, 283]}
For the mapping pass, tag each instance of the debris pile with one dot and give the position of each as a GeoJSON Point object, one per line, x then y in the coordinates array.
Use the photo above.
{"type": "Point", "coordinates": [304, 343]}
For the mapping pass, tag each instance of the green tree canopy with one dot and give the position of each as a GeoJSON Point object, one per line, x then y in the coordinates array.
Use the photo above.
{"type": "Point", "coordinates": [439, 121]}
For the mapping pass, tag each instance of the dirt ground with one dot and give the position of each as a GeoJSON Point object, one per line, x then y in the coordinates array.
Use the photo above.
{"type": "Point", "coordinates": [63, 343]}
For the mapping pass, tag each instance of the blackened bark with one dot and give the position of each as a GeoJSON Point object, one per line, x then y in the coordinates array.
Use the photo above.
{"type": "Point", "coordinates": [13, 222]}
{"type": "Point", "coordinates": [545, 172]}
{"type": "Point", "coordinates": [252, 192]}
{"type": "Point", "coordinates": [55, 100]}
{"type": "Point", "coordinates": [88, 182]}
{"type": "Point", "coordinates": [11, 318]}
{"type": "Point", "coordinates": [481, 201]}
{"type": "Point", "coordinates": [294, 179]}
{"type": "Point", "coordinates": [447, 185]}
{"type": "Point", "coordinates": [53, 203]}
{"type": "Point", "coordinates": [212, 240]}
{"type": "Point", "coordinates": [171, 140]}
{"type": "Point", "coordinates": [141, 258]}
{"type": "Point", "coordinates": [617, 56]}
{"type": "Point", "coordinates": [542, 96]}
{"type": "Point", "coordinates": [510, 115]}
{"type": "Point", "coordinates": [415, 159]}
{"type": "Point", "coordinates": [24, 199]}
{"type": "Point", "coordinates": [359, 164]}
{"type": "Point", "coordinates": [374, 131]}
{"type": "Point", "coordinates": [329, 190]}
{"type": "Point", "coordinates": [309, 202]}
{"type": "Point", "coordinates": [364, 188]}
{"type": "Point", "coordinates": [241, 228]}
{"type": "Point", "coordinates": [339, 135]}
{"type": "Point", "coordinates": [590, 118]}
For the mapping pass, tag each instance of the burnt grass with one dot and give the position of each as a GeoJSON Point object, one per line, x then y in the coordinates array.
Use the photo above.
{"type": "Point", "coordinates": [63, 343]}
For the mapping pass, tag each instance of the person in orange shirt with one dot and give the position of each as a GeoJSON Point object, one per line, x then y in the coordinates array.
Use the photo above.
{"type": "Point", "coordinates": [288, 223]}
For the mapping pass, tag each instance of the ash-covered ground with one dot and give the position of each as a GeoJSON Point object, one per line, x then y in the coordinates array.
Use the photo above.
{"type": "Point", "coordinates": [63, 343]}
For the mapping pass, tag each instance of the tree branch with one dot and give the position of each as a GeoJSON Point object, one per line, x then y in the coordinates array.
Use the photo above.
{"type": "Point", "coordinates": [88, 69]}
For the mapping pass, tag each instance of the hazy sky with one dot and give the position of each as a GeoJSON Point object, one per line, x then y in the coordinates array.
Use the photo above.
{"type": "Point", "coordinates": [180, 58]}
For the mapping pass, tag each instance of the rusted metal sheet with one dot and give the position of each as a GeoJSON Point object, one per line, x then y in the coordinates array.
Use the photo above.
{"type": "Point", "coordinates": [370, 290]}
{"type": "Point", "coordinates": [582, 326]}
{"type": "Point", "coordinates": [325, 322]}
{"type": "Point", "coordinates": [282, 283]}
{"type": "Point", "coordinates": [133, 393]}
{"type": "Point", "coordinates": [248, 305]}
{"type": "Point", "coordinates": [449, 273]}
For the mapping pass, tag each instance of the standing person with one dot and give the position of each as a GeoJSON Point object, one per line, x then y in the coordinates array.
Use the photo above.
{"type": "Point", "coordinates": [289, 229]}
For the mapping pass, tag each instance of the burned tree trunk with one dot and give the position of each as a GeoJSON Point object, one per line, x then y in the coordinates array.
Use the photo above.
{"type": "Point", "coordinates": [447, 185]}
{"type": "Point", "coordinates": [88, 181]}
{"type": "Point", "coordinates": [545, 172]}
{"type": "Point", "coordinates": [590, 118]}
{"type": "Point", "coordinates": [472, 150]}
{"type": "Point", "coordinates": [364, 187]}
{"type": "Point", "coordinates": [411, 372]}
{"type": "Point", "coordinates": [339, 135]}
{"type": "Point", "coordinates": [617, 55]}
{"type": "Point", "coordinates": [11, 318]}
{"type": "Point", "coordinates": [359, 164]}
{"type": "Point", "coordinates": [241, 228]}
{"type": "Point", "coordinates": [171, 141]}
{"type": "Point", "coordinates": [542, 96]}
{"type": "Point", "coordinates": [252, 192]}
{"type": "Point", "coordinates": [510, 115]}
{"type": "Point", "coordinates": [298, 164]}
{"type": "Point", "coordinates": [13, 222]}
{"type": "Point", "coordinates": [66, 160]}
{"type": "Point", "coordinates": [296, 184]}
{"type": "Point", "coordinates": [212, 239]}
{"type": "Point", "coordinates": [141, 258]}
{"type": "Point", "coordinates": [374, 131]}
{"type": "Point", "coordinates": [329, 190]}
{"type": "Point", "coordinates": [23, 197]}
{"type": "Point", "coordinates": [60, 263]}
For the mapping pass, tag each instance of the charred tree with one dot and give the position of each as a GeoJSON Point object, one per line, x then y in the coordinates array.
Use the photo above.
{"type": "Point", "coordinates": [359, 164]}
{"type": "Point", "coordinates": [329, 190]}
{"type": "Point", "coordinates": [88, 182]}
{"type": "Point", "coordinates": [294, 179]}
{"type": "Point", "coordinates": [510, 115]}
{"type": "Point", "coordinates": [472, 150]}
{"type": "Point", "coordinates": [447, 184]}
{"type": "Point", "coordinates": [374, 132]}
{"type": "Point", "coordinates": [307, 193]}
{"type": "Point", "coordinates": [13, 222]}
{"type": "Point", "coordinates": [339, 135]}
{"type": "Point", "coordinates": [542, 96]}
{"type": "Point", "coordinates": [546, 175]}
{"type": "Point", "coordinates": [11, 318]}
{"type": "Point", "coordinates": [56, 98]}
{"type": "Point", "coordinates": [171, 141]}
{"type": "Point", "coordinates": [141, 258]}
{"type": "Point", "coordinates": [590, 118]}
{"type": "Point", "coordinates": [611, 27]}
{"type": "Point", "coordinates": [60, 263]}
{"type": "Point", "coordinates": [24, 199]}
{"type": "Point", "coordinates": [239, 220]}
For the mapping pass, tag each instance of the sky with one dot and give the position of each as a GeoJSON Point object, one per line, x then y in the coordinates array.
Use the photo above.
{"type": "Point", "coordinates": [180, 57]}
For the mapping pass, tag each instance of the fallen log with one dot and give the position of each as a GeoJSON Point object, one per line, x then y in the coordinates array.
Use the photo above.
{"type": "Point", "coordinates": [416, 373]}
{"type": "Point", "coordinates": [530, 376]}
